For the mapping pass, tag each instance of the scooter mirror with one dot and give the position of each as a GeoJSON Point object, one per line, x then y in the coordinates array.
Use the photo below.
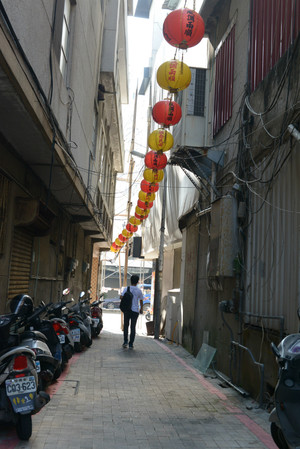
{"type": "Point", "coordinates": [66, 291]}
{"type": "Point", "coordinates": [82, 294]}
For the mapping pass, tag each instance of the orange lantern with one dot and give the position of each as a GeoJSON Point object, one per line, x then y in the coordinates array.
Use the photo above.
{"type": "Point", "coordinates": [166, 113]}
{"type": "Point", "coordinates": [134, 221]}
{"type": "Point", "coordinates": [131, 228]}
{"type": "Point", "coordinates": [113, 250]}
{"type": "Point", "coordinates": [153, 175]}
{"type": "Point", "coordinates": [183, 28]}
{"type": "Point", "coordinates": [156, 160]}
{"type": "Point", "coordinates": [148, 187]}
{"type": "Point", "coordinates": [144, 196]}
{"type": "Point", "coordinates": [126, 233]}
{"type": "Point", "coordinates": [173, 76]}
{"type": "Point", "coordinates": [145, 205]}
{"type": "Point", "coordinates": [160, 139]}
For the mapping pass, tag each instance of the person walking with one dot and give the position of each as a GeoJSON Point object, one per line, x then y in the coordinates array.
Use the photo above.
{"type": "Point", "coordinates": [133, 314]}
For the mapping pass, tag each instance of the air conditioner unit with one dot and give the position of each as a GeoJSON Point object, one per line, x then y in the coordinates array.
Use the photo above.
{"type": "Point", "coordinates": [191, 131]}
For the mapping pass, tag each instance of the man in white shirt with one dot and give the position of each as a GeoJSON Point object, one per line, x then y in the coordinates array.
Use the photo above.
{"type": "Point", "coordinates": [133, 314]}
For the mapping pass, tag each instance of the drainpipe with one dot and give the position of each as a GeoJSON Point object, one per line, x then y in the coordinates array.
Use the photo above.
{"type": "Point", "coordinates": [159, 271]}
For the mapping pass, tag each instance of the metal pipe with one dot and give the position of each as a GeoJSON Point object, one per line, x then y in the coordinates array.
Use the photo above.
{"type": "Point", "coordinates": [240, 390]}
{"type": "Point", "coordinates": [262, 370]}
{"type": "Point", "coordinates": [268, 317]}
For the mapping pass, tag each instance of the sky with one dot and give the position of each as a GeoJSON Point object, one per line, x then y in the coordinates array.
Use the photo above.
{"type": "Point", "coordinates": [139, 51]}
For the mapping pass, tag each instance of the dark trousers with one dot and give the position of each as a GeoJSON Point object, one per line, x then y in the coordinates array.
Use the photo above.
{"type": "Point", "coordinates": [132, 317]}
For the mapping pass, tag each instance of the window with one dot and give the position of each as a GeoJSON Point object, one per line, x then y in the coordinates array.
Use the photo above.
{"type": "Point", "coordinates": [275, 25]}
{"type": "Point", "coordinates": [65, 38]}
{"type": "Point", "coordinates": [196, 93]}
{"type": "Point", "coordinates": [224, 82]}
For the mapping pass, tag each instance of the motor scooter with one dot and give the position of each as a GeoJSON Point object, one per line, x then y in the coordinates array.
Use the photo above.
{"type": "Point", "coordinates": [19, 393]}
{"type": "Point", "coordinates": [62, 329]}
{"type": "Point", "coordinates": [40, 336]}
{"type": "Point", "coordinates": [97, 317]}
{"type": "Point", "coordinates": [80, 325]}
{"type": "Point", "coordinates": [285, 417]}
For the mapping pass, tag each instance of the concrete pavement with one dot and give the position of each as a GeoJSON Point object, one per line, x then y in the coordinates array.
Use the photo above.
{"type": "Point", "coordinates": [151, 397]}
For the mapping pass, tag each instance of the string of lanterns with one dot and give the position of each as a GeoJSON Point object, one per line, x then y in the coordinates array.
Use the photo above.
{"type": "Point", "coordinates": [183, 29]}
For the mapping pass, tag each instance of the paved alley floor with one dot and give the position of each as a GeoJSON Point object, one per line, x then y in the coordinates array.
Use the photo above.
{"type": "Point", "coordinates": [151, 397]}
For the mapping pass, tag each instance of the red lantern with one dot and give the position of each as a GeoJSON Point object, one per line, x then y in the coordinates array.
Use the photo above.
{"type": "Point", "coordinates": [183, 28]}
{"type": "Point", "coordinates": [166, 113]}
{"type": "Point", "coordinates": [148, 187]}
{"type": "Point", "coordinates": [146, 205]}
{"type": "Point", "coordinates": [155, 160]}
{"type": "Point", "coordinates": [115, 246]}
{"type": "Point", "coordinates": [141, 217]}
{"type": "Point", "coordinates": [131, 228]}
{"type": "Point", "coordinates": [122, 238]}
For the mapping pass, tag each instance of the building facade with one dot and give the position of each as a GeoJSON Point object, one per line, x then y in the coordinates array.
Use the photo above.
{"type": "Point", "coordinates": [63, 79]}
{"type": "Point", "coordinates": [239, 259]}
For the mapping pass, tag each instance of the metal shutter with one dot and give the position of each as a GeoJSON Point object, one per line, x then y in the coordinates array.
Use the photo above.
{"type": "Point", "coordinates": [20, 264]}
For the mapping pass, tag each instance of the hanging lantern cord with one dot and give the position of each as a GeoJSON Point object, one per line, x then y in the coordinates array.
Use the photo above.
{"type": "Point", "coordinates": [194, 5]}
{"type": "Point", "coordinates": [181, 63]}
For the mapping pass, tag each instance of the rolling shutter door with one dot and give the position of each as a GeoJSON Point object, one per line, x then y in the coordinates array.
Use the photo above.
{"type": "Point", "coordinates": [20, 264]}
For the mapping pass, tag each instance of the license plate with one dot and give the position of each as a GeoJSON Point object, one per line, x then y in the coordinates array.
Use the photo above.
{"type": "Point", "coordinates": [62, 338]}
{"type": "Point", "coordinates": [38, 366]}
{"type": "Point", "coordinates": [76, 334]}
{"type": "Point", "coordinates": [95, 322]}
{"type": "Point", "coordinates": [20, 385]}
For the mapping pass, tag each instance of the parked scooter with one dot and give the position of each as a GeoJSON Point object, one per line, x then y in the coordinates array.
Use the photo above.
{"type": "Point", "coordinates": [40, 336]}
{"type": "Point", "coordinates": [19, 394]}
{"type": "Point", "coordinates": [97, 317]}
{"type": "Point", "coordinates": [285, 417]}
{"type": "Point", "coordinates": [80, 325]}
{"type": "Point", "coordinates": [62, 329]}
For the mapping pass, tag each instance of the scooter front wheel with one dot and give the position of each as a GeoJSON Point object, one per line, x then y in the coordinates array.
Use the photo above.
{"type": "Point", "coordinates": [278, 437]}
{"type": "Point", "coordinates": [24, 426]}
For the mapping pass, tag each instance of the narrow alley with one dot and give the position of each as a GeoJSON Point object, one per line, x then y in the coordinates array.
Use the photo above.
{"type": "Point", "coordinates": [151, 397]}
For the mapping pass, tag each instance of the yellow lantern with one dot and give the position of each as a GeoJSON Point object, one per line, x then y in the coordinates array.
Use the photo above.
{"type": "Point", "coordinates": [160, 140]}
{"type": "Point", "coordinates": [153, 175]}
{"type": "Point", "coordinates": [134, 221]}
{"type": "Point", "coordinates": [119, 243]}
{"type": "Point", "coordinates": [142, 212]}
{"type": "Point", "coordinates": [113, 250]}
{"type": "Point", "coordinates": [146, 197]}
{"type": "Point", "coordinates": [127, 234]}
{"type": "Point", "coordinates": [174, 76]}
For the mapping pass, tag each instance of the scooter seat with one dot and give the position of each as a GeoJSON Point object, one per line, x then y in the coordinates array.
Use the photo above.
{"type": "Point", "coordinates": [36, 335]}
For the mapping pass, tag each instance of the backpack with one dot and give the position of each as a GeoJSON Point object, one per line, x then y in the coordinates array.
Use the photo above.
{"type": "Point", "coordinates": [126, 301]}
